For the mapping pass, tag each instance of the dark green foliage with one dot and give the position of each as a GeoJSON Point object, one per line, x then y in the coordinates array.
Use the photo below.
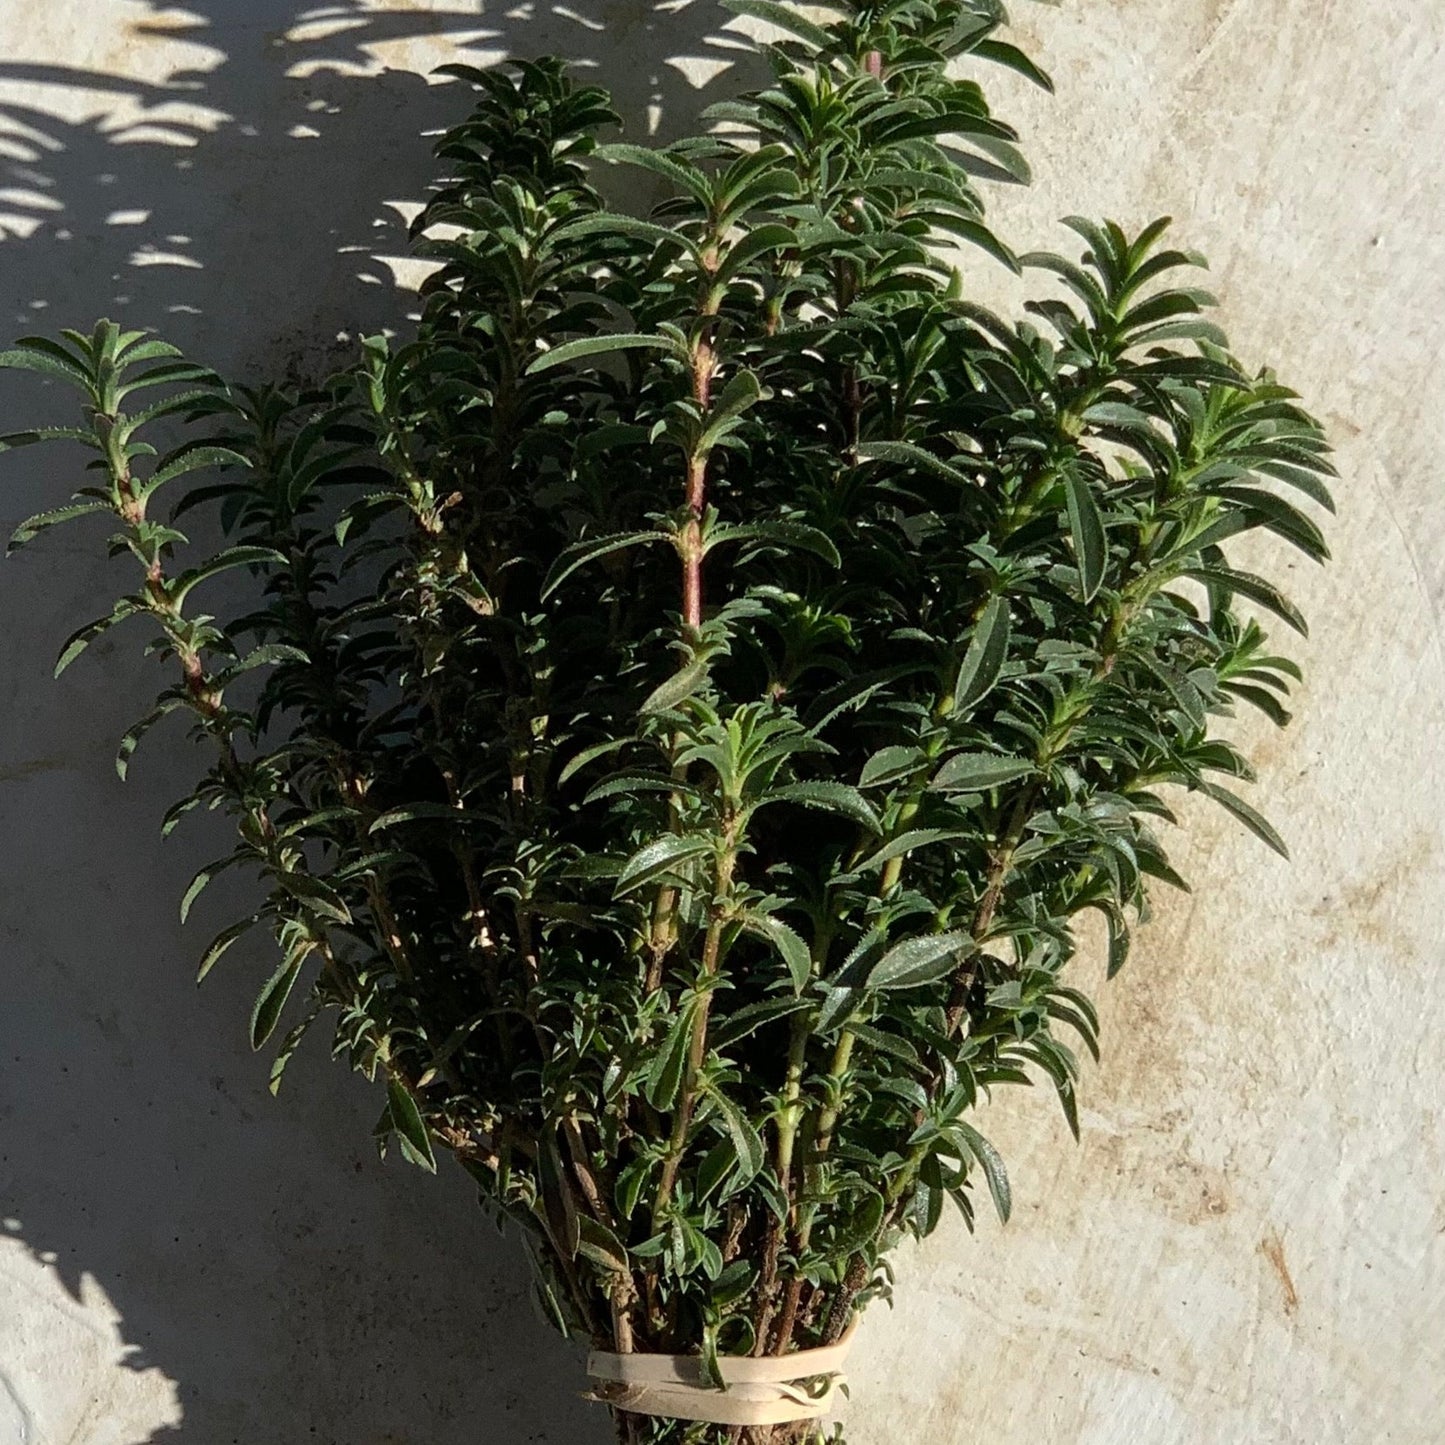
{"type": "Point", "coordinates": [704, 676]}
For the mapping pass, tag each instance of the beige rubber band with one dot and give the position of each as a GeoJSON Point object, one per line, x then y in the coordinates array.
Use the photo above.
{"type": "Point", "coordinates": [771, 1390]}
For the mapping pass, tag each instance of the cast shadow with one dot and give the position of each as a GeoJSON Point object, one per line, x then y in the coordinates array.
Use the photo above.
{"type": "Point", "coordinates": [228, 173]}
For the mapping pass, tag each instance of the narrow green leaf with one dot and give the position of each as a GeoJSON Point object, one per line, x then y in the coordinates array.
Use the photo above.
{"type": "Point", "coordinates": [289, 1045]}
{"type": "Point", "coordinates": [31, 527]}
{"type": "Point", "coordinates": [1267, 510]}
{"type": "Point", "coordinates": [1255, 821]}
{"type": "Point", "coordinates": [624, 784]}
{"type": "Point", "coordinates": [661, 856]}
{"type": "Point", "coordinates": [195, 400]}
{"type": "Point", "coordinates": [223, 562]}
{"type": "Point", "coordinates": [1119, 938]}
{"type": "Point", "coordinates": [1301, 479]}
{"type": "Point", "coordinates": [82, 637]}
{"type": "Point", "coordinates": [1246, 584]}
{"type": "Point", "coordinates": [905, 843]}
{"type": "Point", "coordinates": [745, 1138]}
{"type": "Point", "coordinates": [783, 17]}
{"type": "Point", "coordinates": [663, 1079]}
{"type": "Point", "coordinates": [1119, 414]}
{"type": "Point", "coordinates": [984, 660]}
{"type": "Point", "coordinates": [200, 881]}
{"type": "Point", "coordinates": [860, 1229]}
{"type": "Point", "coordinates": [890, 765]}
{"type": "Point", "coordinates": [708, 1364]}
{"type": "Point", "coordinates": [1012, 58]}
{"type": "Point", "coordinates": [838, 1004]}
{"type": "Point", "coordinates": [57, 365]}
{"type": "Point", "coordinates": [751, 1017]}
{"type": "Point", "coordinates": [272, 999]}
{"type": "Point", "coordinates": [1153, 863]}
{"type": "Point", "coordinates": [742, 391]}
{"type": "Point", "coordinates": [682, 684]}
{"type": "Point", "coordinates": [590, 346]}
{"type": "Point", "coordinates": [684, 176]}
{"type": "Point", "coordinates": [270, 654]}
{"type": "Point", "coordinates": [1261, 698]}
{"type": "Point", "coordinates": [926, 1208]}
{"type": "Point", "coordinates": [976, 772]}
{"type": "Point", "coordinates": [590, 755]}
{"type": "Point", "coordinates": [425, 813]}
{"type": "Point", "coordinates": [319, 897]}
{"type": "Point", "coordinates": [921, 960]}
{"type": "Point", "coordinates": [1091, 550]}
{"type": "Point", "coordinates": [221, 942]}
{"type": "Point", "coordinates": [599, 1244]}
{"type": "Point", "coordinates": [612, 224]}
{"type": "Point", "coordinates": [790, 947]}
{"type": "Point", "coordinates": [411, 1128]}
{"type": "Point", "coordinates": [193, 459]}
{"type": "Point", "coordinates": [581, 553]}
{"type": "Point", "coordinates": [828, 798]}
{"type": "Point", "coordinates": [759, 241]}
{"type": "Point", "coordinates": [786, 534]}
{"type": "Point", "coordinates": [906, 454]}
{"type": "Point", "coordinates": [1001, 150]}
{"type": "Point", "coordinates": [131, 738]}
{"type": "Point", "coordinates": [11, 440]}
{"type": "Point", "coordinates": [993, 1168]}
{"type": "Point", "coordinates": [975, 232]}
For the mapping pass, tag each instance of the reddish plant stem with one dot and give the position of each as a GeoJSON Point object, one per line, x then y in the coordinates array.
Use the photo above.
{"type": "Point", "coordinates": [767, 1286]}
{"type": "Point", "coordinates": [692, 545]}
{"type": "Point", "coordinates": [1000, 862]}
{"type": "Point", "coordinates": [664, 925]}
{"type": "Point", "coordinates": [704, 363]}
{"type": "Point", "coordinates": [842, 1308]}
{"type": "Point", "coordinates": [783, 1334]}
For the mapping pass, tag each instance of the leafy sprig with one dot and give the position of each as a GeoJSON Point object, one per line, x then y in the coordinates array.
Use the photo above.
{"type": "Point", "coordinates": [696, 684]}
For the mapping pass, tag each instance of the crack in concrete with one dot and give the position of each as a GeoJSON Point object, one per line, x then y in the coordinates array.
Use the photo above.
{"type": "Point", "coordinates": [1231, 12]}
{"type": "Point", "coordinates": [21, 1416]}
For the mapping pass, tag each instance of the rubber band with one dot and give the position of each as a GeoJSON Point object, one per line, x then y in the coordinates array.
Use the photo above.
{"type": "Point", "coordinates": [767, 1390]}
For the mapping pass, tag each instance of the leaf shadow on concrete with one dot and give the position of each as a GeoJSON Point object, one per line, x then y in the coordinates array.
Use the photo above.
{"type": "Point", "coordinates": [183, 1258]}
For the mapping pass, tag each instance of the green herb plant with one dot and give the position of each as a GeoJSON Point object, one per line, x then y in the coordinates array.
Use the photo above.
{"type": "Point", "coordinates": [689, 692]}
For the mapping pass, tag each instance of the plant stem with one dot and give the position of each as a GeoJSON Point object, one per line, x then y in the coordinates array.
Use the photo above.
{"type": "Point", "coordinates": [692, 545]}
{"type": "Point", "coordinates": [828, 1117]}
{"type": "Point", "coordinates": [697, 1045]}
{"type": "Point", "coordinates": [792, 1111]}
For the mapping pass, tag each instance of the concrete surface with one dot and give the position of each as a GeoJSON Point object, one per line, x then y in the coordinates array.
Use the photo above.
{"type": "Point", "coordinates": [1249, 1246]}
